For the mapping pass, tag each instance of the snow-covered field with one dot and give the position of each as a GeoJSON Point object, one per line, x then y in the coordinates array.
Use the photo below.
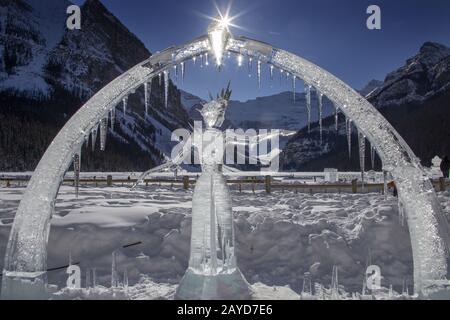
{"type": "Point", "coordinates": [279, 237]}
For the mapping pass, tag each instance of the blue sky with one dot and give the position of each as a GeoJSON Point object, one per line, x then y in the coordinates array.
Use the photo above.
{"type": "Point", "coordinates": [330, 33]}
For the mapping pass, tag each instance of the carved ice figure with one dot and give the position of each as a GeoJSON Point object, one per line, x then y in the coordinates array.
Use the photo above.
{"type": "Point", "coordinates": [212, 273]}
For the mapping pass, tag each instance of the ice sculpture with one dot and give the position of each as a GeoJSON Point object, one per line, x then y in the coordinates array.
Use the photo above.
{"type": "Point", "coordinates": [24, 274]}
{"type": "Point", "coordinates": [213, 272]}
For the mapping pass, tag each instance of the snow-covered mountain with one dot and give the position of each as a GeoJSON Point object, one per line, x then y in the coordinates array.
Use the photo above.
{"type": "Point", "coordinates": [415, 99]}
{"type": "Point", "coordinates": [279, 111]}
{"type": "Point", "coordinates": [29, 31]}
{"type": "Point", "coordinates": [47, 72]}
{"type": "Point", "coordinates": [424, 76]}
{"type": "Point", "coordinates": [370, 87]}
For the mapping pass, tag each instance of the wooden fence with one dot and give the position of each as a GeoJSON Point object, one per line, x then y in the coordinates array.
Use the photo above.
{"type": "Point", "coordinates": [250, 183]}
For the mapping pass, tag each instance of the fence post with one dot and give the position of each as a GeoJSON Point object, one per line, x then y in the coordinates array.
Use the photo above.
{"type": "Point", "coordinates": [268, 184]}
{"type": "Point", "coordinates": [442, 184]}
{"type": "Point", "coordinates": [186, 182]}
{"type": "Point", "coordinates": [109, 180]}
{"type": "Point", "coordinates": [355, 186]}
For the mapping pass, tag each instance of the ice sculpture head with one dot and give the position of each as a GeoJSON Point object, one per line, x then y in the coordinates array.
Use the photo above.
{"type": "Point", "coordinates": [214, 111]}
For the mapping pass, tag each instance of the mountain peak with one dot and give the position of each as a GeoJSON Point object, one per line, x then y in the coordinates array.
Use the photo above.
{"type": "Point", "coordinates": [432, 47]}
{"type": "Point", "coordinates": [423, 76]}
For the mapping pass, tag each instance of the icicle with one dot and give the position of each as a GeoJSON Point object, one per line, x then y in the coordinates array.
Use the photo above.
{"type": "Point", "coordinates": [348, 125]}
{"type": "Point", "coordinates": [76, 172]}
{"type": "Point", "coordinates": [259, 74]}
{"type": "Point", "coordinates": [372, 155]}
{"type": "Point", "coordinates": [113, 118]}
{"type": "Point", "coordinates": [202, 61]}
{"type": "Point", "coordinates": [250, 66]}
{"type": "Point", "coordinates": [336, 118]}
{"type": "Point", "coordinates": [146, 97]}
{"type": "Point", "coordinates": [114, 278]}
{"type": "Point", "coordinates": [94, 136]}
{"type": "Point", "coordinates": [307, 285]}
{"type": "Point", "coordinates": [103, 133]}
{"type": "Point", "coordinates": [160, 79]}
{"type": "Point", "coordinates": [271, 73]}
{"type": "Point", "coordinates": [175, 68]}
{"type": "Point", "coordinates": [206, 59]}
{"type": "Point", "coordinates": [88, 278]}
{"type": "Point", "coordinates": [183, 70]}
{"type": "Point", "coordinates": [125, 280]}
{"type": "Point", "coordinates": [194, 59]}
{"type": "Point", "coordinates": [94, 278]}
{"type": "Point", "coordinates": [362, 155]}
{"type": "Point", "coordinates": [125, 104]}
{"type": "Point", "coordinates": [86, 141]}
{"type": "Point", "coordinates": [281, 77]}
{"type": "Point", "coordinates": [240, 60]}
{"type": "Point", "coordinates": [335, 284]}
{"type": "Point", "coordinates": [308, 105]}
{"type": "Point", "coordinates": [320, 99]}
{"type": "Point", "coordinates": [401, 213]}
{"type": "Point", "coordinates": [294, 87]}
{"type": "Point", "coordinates": [166, 88]}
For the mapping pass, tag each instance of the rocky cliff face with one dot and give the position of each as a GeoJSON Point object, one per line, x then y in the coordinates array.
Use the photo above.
{"type": "Point", "coordinates": [415, 99]}
{"type": "Point", "coordinates": [47, 73]}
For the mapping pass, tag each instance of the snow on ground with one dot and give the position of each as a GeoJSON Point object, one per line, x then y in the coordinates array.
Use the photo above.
{"type": "Point", "coordinates": [279, 237]}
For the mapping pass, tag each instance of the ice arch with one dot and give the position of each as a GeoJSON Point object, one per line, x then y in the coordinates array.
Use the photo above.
{"type": "Point", "coordinates": [27, 247]}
